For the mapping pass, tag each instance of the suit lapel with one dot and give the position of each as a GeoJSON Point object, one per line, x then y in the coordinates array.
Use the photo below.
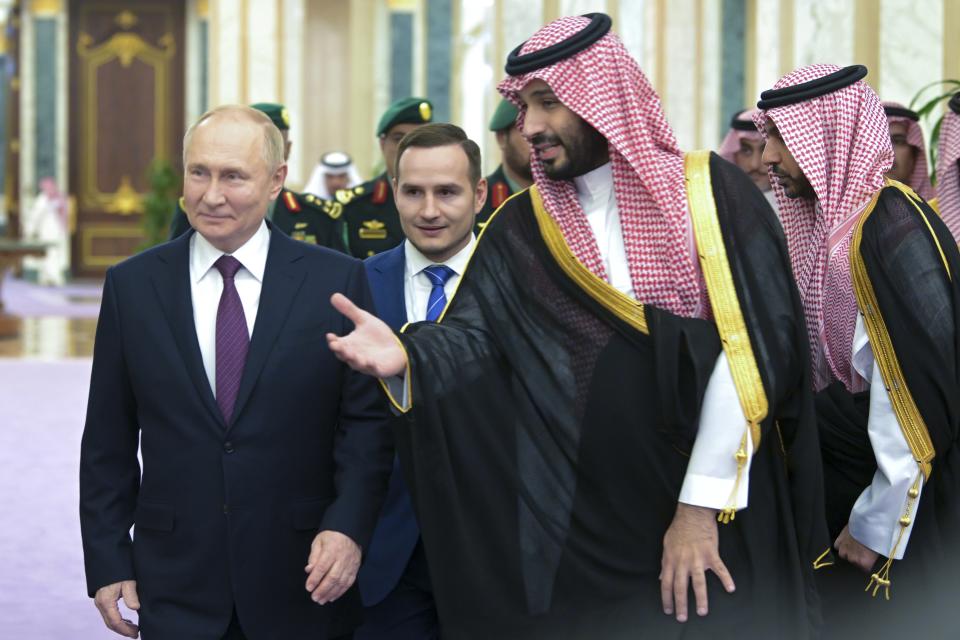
{"type": "Point", "coordinates": [282, 278]}
{"type": "Point", "coordinates": [172, 285]}
{"type": "Point", "coordinates": [386, 283]}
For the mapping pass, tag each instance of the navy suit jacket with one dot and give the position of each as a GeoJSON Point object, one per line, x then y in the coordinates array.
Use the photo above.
{"type": "Point", "coordinates": [397, 531]}
{"type": "Point", "coordinates": [224, 515]}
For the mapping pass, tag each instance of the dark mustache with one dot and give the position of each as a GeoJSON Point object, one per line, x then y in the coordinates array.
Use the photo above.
{"type": "Point", "coordinates": [544, 139]}
{"type": "Point", "coordinates": [777, 171]}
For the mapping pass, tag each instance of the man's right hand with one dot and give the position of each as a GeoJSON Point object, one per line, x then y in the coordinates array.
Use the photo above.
{"type": "Point", "coordinates": [690, 548]}
{"type": "Point", "coordinates": [106, 600]}
{"type": "Point", "coordinates": [371, 348]}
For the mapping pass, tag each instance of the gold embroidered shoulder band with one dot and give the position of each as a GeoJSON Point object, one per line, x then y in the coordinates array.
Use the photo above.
{"type": "Point", "coordinates": [904, 407]}
{"type": "Point", "coordinates": [620, 304]}
{"type": "Point", "coordinates": [726, 309]}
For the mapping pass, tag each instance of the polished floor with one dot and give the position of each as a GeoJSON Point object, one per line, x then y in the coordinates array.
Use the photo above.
{"type": "Point", "coordinates": [44, 380]}
{"type": "Point", "coordinates": [48, 322]}
{"type": "Point", "coordinates": [50, 337]}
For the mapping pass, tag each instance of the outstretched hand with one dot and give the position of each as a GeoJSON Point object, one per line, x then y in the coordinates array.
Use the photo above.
{"type": "Point", "coordinates": [371, 348]}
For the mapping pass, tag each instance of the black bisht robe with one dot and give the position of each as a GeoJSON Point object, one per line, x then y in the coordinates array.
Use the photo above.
{"type": "Point", "coordinates": [551, 426]}
{"type": "Point", "coordinates": [913, 265]}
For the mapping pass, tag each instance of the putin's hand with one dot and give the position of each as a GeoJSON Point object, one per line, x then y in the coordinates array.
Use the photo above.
{"type": "Point", "coordinates": [106, 600]}
{"type": "Point", "coordinates": [371, 348]}
{"type": "Point", "coordinates": [332, 566]}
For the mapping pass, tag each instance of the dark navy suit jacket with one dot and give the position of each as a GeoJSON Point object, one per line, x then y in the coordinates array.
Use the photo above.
{"type": "Point", "coordinates": [224, 515]}
{"type": "Point", "coordinates": [397, 531]}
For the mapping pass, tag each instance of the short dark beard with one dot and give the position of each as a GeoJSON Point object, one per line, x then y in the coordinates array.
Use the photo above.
{"type": "Point", "coordinates": [585, 152]}
{"type": "Point", "coordinates": [517, 163]}
{"type": "Point", "coordinates": [803, 188]}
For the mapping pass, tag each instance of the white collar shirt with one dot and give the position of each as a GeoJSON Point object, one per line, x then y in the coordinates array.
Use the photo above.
{"type": "Point", "coordinates": [206, 286]}
{"type": "Point", "coordinates": [417, 285]}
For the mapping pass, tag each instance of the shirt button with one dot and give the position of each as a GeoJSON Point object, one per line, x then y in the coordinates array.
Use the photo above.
{"type": "Point", "coordinates": [228, 447]}
{"type": "Point", "coordinates": [226, 509]}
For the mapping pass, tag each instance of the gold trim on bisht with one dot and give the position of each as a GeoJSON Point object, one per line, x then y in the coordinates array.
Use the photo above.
{"type": "Point", "coordinates": [620, 304]}
{"type": "Point", "coordinates": [726, 309]}
{"type": "Point", "coordinates": [407, 403]}
{"type": "Point", "coordinates": [904, 407]}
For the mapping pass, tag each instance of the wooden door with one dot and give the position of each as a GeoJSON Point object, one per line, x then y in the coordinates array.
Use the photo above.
{"type": "Point", "coordinates": [126, 110]}
{"type": "Point", "coordinates": [11, 186]}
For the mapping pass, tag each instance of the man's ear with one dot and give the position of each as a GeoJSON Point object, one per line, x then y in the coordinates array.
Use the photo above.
{"type": "Point", "coordinates": [480, 195]}
{"type": "Point", "coordinates": [277, 180]}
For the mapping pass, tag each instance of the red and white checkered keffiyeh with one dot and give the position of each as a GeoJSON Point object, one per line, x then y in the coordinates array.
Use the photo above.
{"type": "Point", "coordinates": [841, 142]}
{"type": "Point", "coordinates": [948, 173]}
{"type": "Point", "coordinates": [731, 142]}
{"type": "Point", "coordinates": [920, 178]}
{"type": "Point", "coordinates": [605, 87]}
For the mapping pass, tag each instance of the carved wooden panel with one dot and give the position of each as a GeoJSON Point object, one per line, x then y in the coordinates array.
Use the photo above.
{"type": "Point", "coordinates": [127, 105]}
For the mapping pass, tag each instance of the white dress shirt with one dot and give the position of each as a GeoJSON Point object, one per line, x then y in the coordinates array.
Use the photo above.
{"type": "Point", "coordinates": [206, 285]}
{"type": "Point", "coordinates": [875, 517]}
{"type": "Point", "coordinates": [712, 470]}
{"type": "Point", "coordinates": [416, 296]}
{"type": "Point", "coordinates": [417, 285]}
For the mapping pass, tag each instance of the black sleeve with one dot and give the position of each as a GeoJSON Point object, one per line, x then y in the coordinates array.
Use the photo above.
{"type": "Point", "coordinates": [364, 445]}
{"type": "Point", "coordinates": [918, 303]}
{"type": "Point", "coordinates": [109, 469]}
{"type": "Point", "coordinates": [757, 252]}
{"type": "Point", "coordinates": [773, 312]}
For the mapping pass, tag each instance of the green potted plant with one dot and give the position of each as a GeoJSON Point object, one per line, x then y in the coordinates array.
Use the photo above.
{"type": "Point", "coordinates": [159, 203]}
{"type": "Point", "coordinates": [929, 109]}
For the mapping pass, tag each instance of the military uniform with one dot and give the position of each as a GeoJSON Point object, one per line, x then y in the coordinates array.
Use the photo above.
{"type": "Point", "coordinates": [498, 190]}
{"type": "Point", "coordinates": [302, 216]}
{"type": "Point", "coordinates": [371, 222]}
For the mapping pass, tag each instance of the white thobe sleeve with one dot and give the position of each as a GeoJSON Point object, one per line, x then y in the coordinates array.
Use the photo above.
{"type": "Point", "coordinates": [875, 518]}
{"type": "Point", "coordinates": [712, 470]}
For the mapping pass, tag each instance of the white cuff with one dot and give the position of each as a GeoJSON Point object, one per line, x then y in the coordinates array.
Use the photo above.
{"type": "Point", "coordinates": [712, 470]}
{"type": "Point", "coordinates": [875, 517]}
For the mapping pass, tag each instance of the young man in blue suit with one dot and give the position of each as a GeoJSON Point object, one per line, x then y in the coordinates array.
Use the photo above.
{"type": "Point", "coordinates": [265, 460]}
{"type": "Point", "coordinates": [438, 189]}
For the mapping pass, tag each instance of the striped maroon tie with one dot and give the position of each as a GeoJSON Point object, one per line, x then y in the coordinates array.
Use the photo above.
{"type": "Point", "coordinates": [233, 340]}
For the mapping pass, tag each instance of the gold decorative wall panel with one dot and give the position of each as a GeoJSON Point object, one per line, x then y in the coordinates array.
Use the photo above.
{"type": "Point", "coordinates": [126, 111]}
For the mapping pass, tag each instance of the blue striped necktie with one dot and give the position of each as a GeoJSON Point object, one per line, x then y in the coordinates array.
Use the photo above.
{"type": "Point", "coordinates": [438, 274]}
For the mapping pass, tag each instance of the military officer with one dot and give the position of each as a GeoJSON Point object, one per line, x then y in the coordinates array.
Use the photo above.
{"type": "Point", "coordinates": [513, 174]}
{"type": "Point", "coordinates": [372, 223]}
{"type": "Point", "coordinates": [302, 216]}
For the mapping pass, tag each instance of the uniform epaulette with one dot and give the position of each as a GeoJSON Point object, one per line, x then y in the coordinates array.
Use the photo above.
{"type": "Point", "coordinates": [499, 192]}
{"type": "Point", "coordinates": [380, 190]}
{"type": "Point", "coordinates": [332, 209]}
{"type": "Point", "coordinates": [291, 201]}
{"type": "Point", "coordinates": [346, 196]}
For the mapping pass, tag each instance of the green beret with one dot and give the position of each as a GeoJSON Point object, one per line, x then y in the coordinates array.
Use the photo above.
{"type": "Point", "coordinates": [406, 110]}
{"type": "Point", "coordinates": [504, 116]}
{"type": "Point", "coordinates": [276, 112]}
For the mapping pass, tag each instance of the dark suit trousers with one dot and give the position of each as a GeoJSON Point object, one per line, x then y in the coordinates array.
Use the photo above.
{"type": "Point", "coordinates": [235, 632]}
{"type": "Point", "coordinates": [408, 612]}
